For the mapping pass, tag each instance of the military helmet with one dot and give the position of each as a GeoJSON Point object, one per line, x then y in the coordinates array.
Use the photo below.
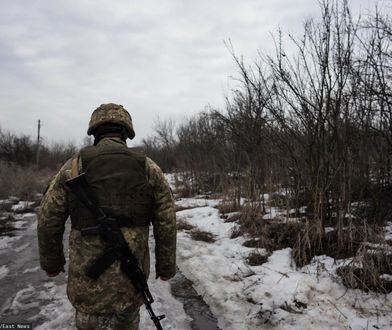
{"type": "Point", "coordinates": [111, 113]}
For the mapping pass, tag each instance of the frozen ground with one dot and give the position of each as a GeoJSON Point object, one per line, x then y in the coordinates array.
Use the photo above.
{"type": "Point", "coordinates": [60, 314]}
{"type": "Point", "coordinates": [274, 295]}
{"type": "Point", "coordinates": [28, 295]}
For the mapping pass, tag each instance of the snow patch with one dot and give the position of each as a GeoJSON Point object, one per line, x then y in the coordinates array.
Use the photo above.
{"type": "Point", "coordinates": [22, 205]}
{"type": "Point", "coordinates": [22, 247]}
{"type": "Point", "coordinates": [164, 303]}
{"type": "Point", "coordinates": [388, 231]}
{"type": "Point", "coordinates": [196, 202]}
{"type": "Point", "coordinates": [6, 241]}
{"type": "Point", "coordinates": [275, 293]}
{"type": "Point", "coordinates": [59, 313]}
{"type": "Point", "coordinates": [386, 277]}
{"type": "Point", "coordinates": [24, 216]}
{"type": "Point", "coordinates": [31, 270]}
{"type": "Point", "coordinates": [3, 271]}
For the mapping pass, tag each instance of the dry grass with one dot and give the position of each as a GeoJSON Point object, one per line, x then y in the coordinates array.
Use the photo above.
{"type": "Point", "coordinates": [247, 220]}
{"type": "Point", "coordinates": [237, 232]}
{"type": "Point", "coordinates": [278, 200]}
{"type": "Point", "coordinates": [340, 243]}
{"type": "Point", "coordinates": [371, 269]}
{"type": "Point", "coordinates": [200, 235]}
{"type": "Point", "coordinates": [183, 187]}
{"type": "Point", "coordinates": [22, 182]}
{"type": "Point", "coordinates": [250, 219]}
{"type": "Point", "coordinates": [307, 242]}
{"type": "Point", "coordinates": [183, 225]}
{"type": "Point", "coordinates": [309, 239]}
{"type": "Point", "coordinates": [253, 243]}
{"type": "Point", "coordinates": [6, 225]}
{"type": "Point", "coordinates": [371, 266]}
{"type": "Point", "coordinates": [6, 206]}
{"type": "Point", "coordinates": [267, 234]}
{"type": "Point", "coordinates": [228, 206]}
{"type": "Point", "coordinates": [184, 192]}
{"type": "Point", "coordinates": [279, 235]}
{"type": "Point", "coordinates": [257, 258]}
{"type": "Point", "coordinates": [233, 218]}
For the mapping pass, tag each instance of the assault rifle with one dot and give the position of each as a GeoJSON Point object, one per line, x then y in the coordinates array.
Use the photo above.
{"type": "Point", "coordinates": [116, 246]}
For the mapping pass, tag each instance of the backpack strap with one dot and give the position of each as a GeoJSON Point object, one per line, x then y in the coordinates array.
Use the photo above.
{"type": "Point", "coordinates": [74, 167]}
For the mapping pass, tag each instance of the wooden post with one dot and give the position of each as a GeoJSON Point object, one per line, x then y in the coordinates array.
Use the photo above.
{"type": "Point", "coordinates": [38, 142]}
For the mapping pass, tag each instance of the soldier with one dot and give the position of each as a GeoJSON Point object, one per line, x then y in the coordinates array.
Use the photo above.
{"type": "Point", "coordinates": [129, 187]}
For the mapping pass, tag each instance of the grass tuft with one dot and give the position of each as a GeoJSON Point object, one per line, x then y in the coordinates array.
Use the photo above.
{"type": "Point", "coordinates": [183, 225]}
{"type": "Point", "coordinates": [257, 258]}
{"type": "Point", "coordinates": [200, 235]}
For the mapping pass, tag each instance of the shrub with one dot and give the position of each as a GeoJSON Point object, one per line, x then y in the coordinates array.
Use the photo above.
{"type": "Point", "coordinates": [228, 206]}
{"type": "Point", "coordinates": [24, 183]}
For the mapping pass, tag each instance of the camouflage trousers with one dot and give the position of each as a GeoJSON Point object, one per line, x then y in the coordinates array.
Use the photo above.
{"type": "Point", "coordinates": [128, 320]}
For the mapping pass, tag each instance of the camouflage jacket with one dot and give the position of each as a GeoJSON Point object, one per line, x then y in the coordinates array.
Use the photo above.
{"type": "Point", "coordinates": [113, 291]}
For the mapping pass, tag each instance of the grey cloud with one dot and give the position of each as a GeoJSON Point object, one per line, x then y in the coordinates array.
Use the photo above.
{"type": "Point", "coordinates": [61, 59]}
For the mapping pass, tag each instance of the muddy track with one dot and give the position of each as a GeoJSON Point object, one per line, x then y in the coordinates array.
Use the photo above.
{"type": "Point", "coordinates": [24, 285]}
{"type": "Point", "coordinates": [194, 305]}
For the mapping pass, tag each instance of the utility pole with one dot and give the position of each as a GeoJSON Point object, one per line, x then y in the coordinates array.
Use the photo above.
{"type": "Point", "coordinates": [38, 142]}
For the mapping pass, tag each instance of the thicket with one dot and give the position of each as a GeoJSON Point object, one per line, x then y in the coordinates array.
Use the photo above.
{"type": "Point", "coordinates": [20, 174]}
{"type": "Point", "coordinates": [308, 129]}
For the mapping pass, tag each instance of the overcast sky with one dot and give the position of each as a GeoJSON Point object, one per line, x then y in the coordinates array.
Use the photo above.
{"type": "Point", "coordinates": [59, 60]}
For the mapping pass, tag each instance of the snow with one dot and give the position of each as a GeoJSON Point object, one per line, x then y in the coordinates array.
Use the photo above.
{"type": "Point", "coordinates": [276, 213]}
{"type": "Point", "coordinates": [207, 218]}
{"type": "Point", "coordinates": [164, 302]}
{"type": "Point", "coordinates": [196, 202]}
{"type": "Point", "coordinates": [241, 297]}
{"type": "Point", "coordinates": [5, 242]}
{"type": "Point", "coordinates": [388, 231]}
{"type": "Point", "coordinates": [51, 301]}
{"type": "Point", "coordinates": [386, 277]}
{"type": "Point", "coordinates": [329, 229]}
{"type": "Point", "coordinates": [19, 224]}
{"type": "Point", "coordinates": [3, 271]}
{"type": "Point", "coordinates": [21, 206]}
{"type": "Point", "coordinates": [24, 216]}
{"type": "Point", "coordinates": [60, 314]}
{"type": "Point", "coordinates": [245, 297]}
{"type": "Point", "coordinates": [372, 248]}
{"type": "Point", "coordinates": [171, 179]}
{"type": "Point", "coordinates": [22, 247]}
{"type": "Point", "coordinates": [31, 270]}
{"type": "Point", "coordinates": [26, 299]}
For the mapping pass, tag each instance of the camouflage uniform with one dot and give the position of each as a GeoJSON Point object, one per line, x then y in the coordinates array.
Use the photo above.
{"type": "Point", "coordinates": [127, 320]}
{"type": "Point", "coordinates": [111, 299]}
